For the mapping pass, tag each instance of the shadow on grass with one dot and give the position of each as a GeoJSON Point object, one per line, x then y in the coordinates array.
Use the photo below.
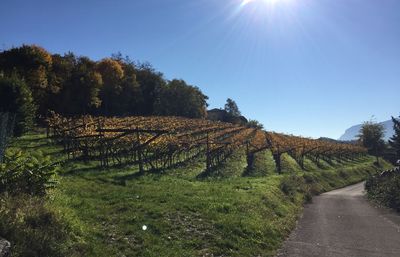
{"type": "Point", "coordinates": [85, 170]}
{"type": "Point", "coordinates": [37, 146]}
{"type": "Point", "coordinates": [214, 172]}
{"type": "Point", "coordinates": [123, 179]}
{"type": "Point", "coordinates": [152, 170]}
{"type": "Point", "coordinates": [137, 174]}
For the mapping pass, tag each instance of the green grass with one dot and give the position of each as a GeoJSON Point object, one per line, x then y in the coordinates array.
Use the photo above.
{"type": "Point", "coordinates": [264, 165]}
{"type": "Point", "coordinates": [289, 165]}
{"type": "Point", "coordinates": [187, 214]}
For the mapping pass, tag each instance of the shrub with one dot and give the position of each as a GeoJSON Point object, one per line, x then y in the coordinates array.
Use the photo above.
{"type": "Point", "coordinates": [309, 178]}
{"type": "Point", "coordinates": [385, 190]}
{"type": "Point", "coordinates": [291, 185]}
{"type": "Point", "coordinates": [313, 186]}
{"type": "Point", "coordinates": [26, 173]}
{"type": "Point", "coordinates": [254, 124]}
{"type": "Point", "coordinates": [32, 228]}
{"type": "Point", "coordinates": [308, 196]}
{"type": "Point", "coordinates": [343, 174]}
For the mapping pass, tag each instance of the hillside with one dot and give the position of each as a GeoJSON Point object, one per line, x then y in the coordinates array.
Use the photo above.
{"type": "Point", "coordinates": [171, 186]}
{"type": "Point", "coordinates": [180, 211]}
{"type": "Point", "coordinates": [351, 133]}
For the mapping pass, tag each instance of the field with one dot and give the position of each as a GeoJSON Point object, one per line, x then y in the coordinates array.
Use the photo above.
{"type": "Point", "coordinates": [187, 212]}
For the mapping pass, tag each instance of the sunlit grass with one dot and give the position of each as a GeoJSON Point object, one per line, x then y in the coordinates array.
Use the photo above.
{"type": "Point", "coordinates": [184, 215]}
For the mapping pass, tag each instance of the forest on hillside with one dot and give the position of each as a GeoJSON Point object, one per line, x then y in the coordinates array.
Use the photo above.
{"type": "Point", "coordinates": [76, 85]}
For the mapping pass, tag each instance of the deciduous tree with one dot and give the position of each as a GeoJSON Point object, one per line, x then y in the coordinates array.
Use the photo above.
{"type": "Point", "coordinates": [112, 74]}
{"type": "Point", "coordinates": [151, 83]}
{"type": "Point", "coordinates": [181, 99]}
{"type": "Point", "coordinates": [371, 135]}
{"type": "Point", "coordinates": [31, 63]}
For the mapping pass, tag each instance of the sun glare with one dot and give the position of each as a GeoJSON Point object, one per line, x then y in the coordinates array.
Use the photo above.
{"type": "Point", "coordinates": [245, 2]}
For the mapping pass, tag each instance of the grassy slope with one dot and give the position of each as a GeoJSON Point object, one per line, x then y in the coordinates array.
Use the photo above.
{"type": "Point", "coordinates": [224, 214]}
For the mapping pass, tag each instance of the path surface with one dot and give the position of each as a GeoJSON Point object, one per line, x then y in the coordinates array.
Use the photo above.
{"type": "Point", "coordinates": [343, 223]}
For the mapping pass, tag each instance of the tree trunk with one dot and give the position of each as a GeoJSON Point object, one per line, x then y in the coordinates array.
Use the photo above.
{"type": "Point", "coordinates": [277, 158]}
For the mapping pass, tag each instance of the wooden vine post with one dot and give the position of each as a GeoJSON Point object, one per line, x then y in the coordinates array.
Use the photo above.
{"type": "Point", "coordinates": [277, 158]}
{"type": "Point", "coordinates": [208, 154]}
{"type": "Point", "coordinates": [101, 150]}
{"type": "Point", "coordinates": [249, 157]}
{"type": "Point", "coordinates": [302, 154]}
{"type": "Point", "coordinates": [139, 151]}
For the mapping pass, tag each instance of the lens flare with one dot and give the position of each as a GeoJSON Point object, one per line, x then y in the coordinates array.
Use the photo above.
{"type": "Point", "coordinates": [245, 2]}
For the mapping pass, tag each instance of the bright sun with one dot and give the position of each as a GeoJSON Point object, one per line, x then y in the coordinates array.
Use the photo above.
{"type": "Point", "coordinates": [245, 2]}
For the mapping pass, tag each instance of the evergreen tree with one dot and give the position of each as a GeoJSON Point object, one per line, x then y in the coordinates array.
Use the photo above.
{"type": "Point", "coordinates": [16, 98]}
{"type": "Point", "coordinates": [231, 108]}
{"type": "Point", "coordinates": [395, 140]}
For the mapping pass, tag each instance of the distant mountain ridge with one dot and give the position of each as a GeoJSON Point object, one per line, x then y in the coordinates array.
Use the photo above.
{"type": "Point", "coordinates": [352, 133]}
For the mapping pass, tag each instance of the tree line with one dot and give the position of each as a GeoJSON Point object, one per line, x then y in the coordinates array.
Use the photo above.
{"type": "Point", "coordinates": [76, 85]}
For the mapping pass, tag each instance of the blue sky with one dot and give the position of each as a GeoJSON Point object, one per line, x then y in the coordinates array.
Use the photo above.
{"type": "Point", "coordinates": [306, 67]}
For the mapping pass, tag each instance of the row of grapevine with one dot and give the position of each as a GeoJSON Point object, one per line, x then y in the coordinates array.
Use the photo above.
{"type": "Point", "coordinates": [299, 148]}
{"type": "Point", "coordinates": [155, 143]}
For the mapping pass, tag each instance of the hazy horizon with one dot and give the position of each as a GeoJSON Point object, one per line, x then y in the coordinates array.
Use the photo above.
{"type": "Point", "coordinates": [312, 68]}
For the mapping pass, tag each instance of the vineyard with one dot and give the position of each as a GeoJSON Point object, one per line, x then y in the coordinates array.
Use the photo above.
{"type": "Point", "coordinates": [157, 143]}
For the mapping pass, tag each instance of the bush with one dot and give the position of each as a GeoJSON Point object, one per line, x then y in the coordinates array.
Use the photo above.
{"type": "Point", "coordinates": [385, 190]}
{"type": "Point", "coordinates": [309, 178]}
{"type": "Point", "coordinates": [32, 228]}
{"type": "Point", "coordinates": [26, 173]}
{"type": "Point", "coordinates": [313, 187]}
{"type": "Point", "coordinates": [291, 185]}
{"type": "Point", "coordinates": [254, 124]}
{"type": "Point", "coordinates": [343, 174]}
